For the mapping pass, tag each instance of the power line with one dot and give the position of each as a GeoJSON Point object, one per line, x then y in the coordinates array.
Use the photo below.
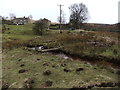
{"type": "Point", "coordinates": [60, 15]}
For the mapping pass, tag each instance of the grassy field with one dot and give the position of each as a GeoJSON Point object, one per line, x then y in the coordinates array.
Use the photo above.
{"type": "Point", "coordinates": [36, 64]}
{"type": "Point", "coordinates": [22, 68]}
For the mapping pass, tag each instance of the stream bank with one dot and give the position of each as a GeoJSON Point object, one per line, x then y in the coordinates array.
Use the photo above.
{"type": "Point", "coordinates": [94, 60]}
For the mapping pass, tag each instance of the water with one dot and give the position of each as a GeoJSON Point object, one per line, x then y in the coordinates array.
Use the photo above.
{"type": "Point", "coordinates": [62, 56]}
{"type": "Point", "coordinates": [66, 57]}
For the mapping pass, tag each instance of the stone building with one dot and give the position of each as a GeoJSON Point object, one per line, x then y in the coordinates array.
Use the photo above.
{"type": "Point", "coordinates": [21, 21]}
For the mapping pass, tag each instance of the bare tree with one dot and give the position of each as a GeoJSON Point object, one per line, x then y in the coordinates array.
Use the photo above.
{"type": "Point", "coordinates": [63, 18]}
{"type": "Point", "coordinates": [79, 14]}
{"type": "Point", "coordinates": [12, 16]}
{"type": "Point", "coordinates": [30, 16]}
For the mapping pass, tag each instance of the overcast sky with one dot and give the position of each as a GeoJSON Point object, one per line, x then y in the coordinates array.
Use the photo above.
{"type": "Point", "coordinates": [119, 12]}
{"type": "Point", "coordinates": [100, 11]}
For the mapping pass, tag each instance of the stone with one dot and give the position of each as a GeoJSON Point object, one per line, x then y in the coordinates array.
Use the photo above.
{"type": "Point", "coordinates": [37, 59]}
{"type": "Point", "coordinates": [90, 86]}
{"type": "Point", "coordinates": [28, 86]}
{"type": "Point", "coordinates": [54, 66]}
{"type": "Point", "coordinates": [79, 69]}
{"type": "Point", "coordinates": [22, 65]}
{"type": "Point", "coordinates": [29, 80]}
{"type": "Point", "coordinates": [5, 86]}
{"type": "Point", "coordinates": [48, 83]}
{"type": "Point", "coordinates": [107, 84]}
{"type": "Point", "coordinates": [63, 64]}
{"type": "Point", "coordinates": [22, 70]}
{"type": "Point", "coordinates": [47, 72]}
{"type": "Point", "coordinates": [19, 59]}
{"type": "Point", "coordinates": [45, 64]}
{"type": "Point", "coordinates": [66, 70]}
{"type": "Point", "coordinates": [95, 68]}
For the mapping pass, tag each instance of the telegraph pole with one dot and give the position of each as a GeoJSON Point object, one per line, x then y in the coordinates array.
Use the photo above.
{"type": "Point", "coordinates": [60, 15]}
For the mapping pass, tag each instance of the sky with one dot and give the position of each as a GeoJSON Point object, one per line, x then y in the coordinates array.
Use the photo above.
{"type": "Point", "coordinates": [119, 11]}
{"type": "Point", "coordinates": [100, 11]}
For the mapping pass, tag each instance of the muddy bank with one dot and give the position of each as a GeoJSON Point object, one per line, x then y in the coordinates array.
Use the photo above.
{"type": "Point", "coordinates": [114, 62]}
{"type": "Point", "coordinates": [96, 59]}
{"type": "Point", "coordinates": [103, 85]}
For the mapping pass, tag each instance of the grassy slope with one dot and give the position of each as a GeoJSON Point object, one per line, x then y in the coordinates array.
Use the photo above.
{"type": "Point", "coordinates": [61, 79]}
{"type": "Point", "coordinates": [74, 42]}
{"type": "Point", "coordinates": [23, 34]}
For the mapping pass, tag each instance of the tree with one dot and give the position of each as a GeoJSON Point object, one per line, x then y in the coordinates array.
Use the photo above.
{"type": "Point", "coordinates": [40, 27]}
{"type": "Point", "coordinates": [3, 24]}
{"type": "Point", "coordinates": [12, 16]}
{"type": "Point", "coordinates": [63, 18]}
{"type": "Point", "coordinates": [79, 14]}
{"type": "Point", "coordinates": [30, 17]}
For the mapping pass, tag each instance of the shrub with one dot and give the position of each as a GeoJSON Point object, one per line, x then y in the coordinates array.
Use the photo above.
{"type": "Point", "coordinates": [40, 27]}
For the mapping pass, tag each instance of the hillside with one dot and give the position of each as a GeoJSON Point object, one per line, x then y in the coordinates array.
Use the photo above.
{"type": "Point", "coordinates": [85, 59]}
{"type": "Point", "coordinates": [102, 27]}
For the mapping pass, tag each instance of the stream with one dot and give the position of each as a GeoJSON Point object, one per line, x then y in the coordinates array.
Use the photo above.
{"type": "Point", "coordinates": [67, 56]}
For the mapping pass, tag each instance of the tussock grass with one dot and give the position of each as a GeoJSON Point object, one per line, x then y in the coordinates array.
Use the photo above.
{"type": "Point", "coordinates": [79, 43]}
{"type": "Point", "coordinates": [84, 44]}
{"type": "Point", "coordinates": [33, 63]}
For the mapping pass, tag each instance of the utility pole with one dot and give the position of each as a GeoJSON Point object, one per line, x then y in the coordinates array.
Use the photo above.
{"type": "Point", "coordinates": [60, 15]}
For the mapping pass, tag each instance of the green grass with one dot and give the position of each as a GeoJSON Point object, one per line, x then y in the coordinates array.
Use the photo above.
{"type": "Point", "coordinates": [60, 79]}
{"type": "Point", "coordinates": [74, 42]}
{"type": "Point", "coordinates": [21, 32]}
{"type": "Point", "coordinates": [20, 29]}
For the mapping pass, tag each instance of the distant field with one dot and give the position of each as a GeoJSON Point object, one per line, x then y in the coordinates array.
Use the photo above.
{"type": "Point", "coordinates": [89, 45]}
